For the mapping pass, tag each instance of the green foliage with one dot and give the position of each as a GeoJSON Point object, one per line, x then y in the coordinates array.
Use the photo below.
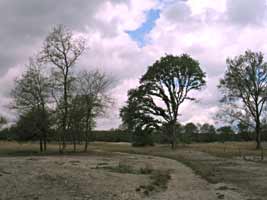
{"type": "Point", "coordinates": [244, 87]}
{"type": "Point", "coordinates": [31, 98]}
{"type": "Point", "coordinates": [191, 128]}
{"type": "Point", "coordinates": [226, 133]}
{"type": "Point", "coordinates": [31, 126]}
{"type": "Point", "coordinates": [164, 87]}
{"type": "Point", "coordinates": [111, 136]}
{"type": "Point", "coordinates": [136, 118]}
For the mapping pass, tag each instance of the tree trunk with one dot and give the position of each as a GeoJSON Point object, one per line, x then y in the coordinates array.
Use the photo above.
{"type": "Point", "coordinates": [59, 145]}
{"type": "Point", "coordinates": [41, 145]}
{"type": "Point", "coordinates": [65, 117]}
{"type": "Point", "coordinates": [258, 137]}
{"type": "Point", "coordinates": [63, 145]}
{"type": "Point", "coordinates": [258, 131]}
{"type": "Point", "coordinates": [74, 145]}
{"type": "Point", "coordinates": [174, 139]}
{"type": "Point", "coordinates": [45, 141]}
{"type": "Point", "coordinates": [88, 127]}
{"type": "Point", "coordinates": [86, 141]}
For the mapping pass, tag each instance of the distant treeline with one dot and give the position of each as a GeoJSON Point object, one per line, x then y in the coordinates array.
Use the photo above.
{"type": "Point", "coordinates": [189, 133]}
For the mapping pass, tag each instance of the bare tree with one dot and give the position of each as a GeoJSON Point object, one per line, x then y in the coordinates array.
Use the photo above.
{"type": "Point", "coordinates": [31, 94]}
{"type": "Point", "coordinates": [93, 89]}
{"type": "Point", "coordinates": [62, 49]}
{"type": "Point", "coordinates": [244, 87]}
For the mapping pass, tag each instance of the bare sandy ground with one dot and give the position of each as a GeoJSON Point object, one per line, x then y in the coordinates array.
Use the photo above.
{"type": "Point", "coordinates": [89, 178]}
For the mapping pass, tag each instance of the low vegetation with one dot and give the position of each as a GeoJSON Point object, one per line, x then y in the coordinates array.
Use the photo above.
{"type": "Point", "coordinates": [215, 162]}
{"type": "Point", "coordinates": [159, 182]}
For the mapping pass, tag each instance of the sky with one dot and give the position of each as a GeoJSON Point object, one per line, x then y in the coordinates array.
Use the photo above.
{"type": "Point", "coordinates": [124, 37]}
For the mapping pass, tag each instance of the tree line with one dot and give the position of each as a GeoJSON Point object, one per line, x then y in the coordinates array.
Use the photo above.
{"type": "Point", "coordinates": [54, 98]}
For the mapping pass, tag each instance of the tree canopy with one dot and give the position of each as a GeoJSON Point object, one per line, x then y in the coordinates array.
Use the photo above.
{"type": "Point", "coordinates": [163, 88]}
{"type": "Point", "coordinates": [244, 88]}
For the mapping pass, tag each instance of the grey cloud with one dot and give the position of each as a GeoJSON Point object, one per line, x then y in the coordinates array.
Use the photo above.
{"type": "Point", "coordinates": [246, 12]}
{"type": "Point", "coordinates": [24, 24]}
{"type": "Point", "coordinates": [178, 12]}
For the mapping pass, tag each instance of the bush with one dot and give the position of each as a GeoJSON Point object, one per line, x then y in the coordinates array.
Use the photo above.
{"type": "Point", "coordinates": [142, 139]}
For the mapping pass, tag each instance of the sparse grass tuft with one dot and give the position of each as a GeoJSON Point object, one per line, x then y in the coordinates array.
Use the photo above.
{"type": "Point", "coordinates": [125, 169]}
{"type": "Point", "coordinates": [159, 182]}
{"type": "Point", "coordinates": [146, 170]}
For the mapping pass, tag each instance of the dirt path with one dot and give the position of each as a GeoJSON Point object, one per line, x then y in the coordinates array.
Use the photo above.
{"type": "Point", "coordinates": [114, 176]}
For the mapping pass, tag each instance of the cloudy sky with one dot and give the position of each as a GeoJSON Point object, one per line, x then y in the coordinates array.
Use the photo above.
{"type": "Point", "coordinates": [126, 36]}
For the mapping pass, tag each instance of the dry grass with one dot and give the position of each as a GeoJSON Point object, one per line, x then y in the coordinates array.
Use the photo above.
{"type": "Point", "coordinates": [215, 162]}
{"type": "Point", "coordinates": [230, 149]}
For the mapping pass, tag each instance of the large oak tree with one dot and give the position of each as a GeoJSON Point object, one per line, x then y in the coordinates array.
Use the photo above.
{"type": "Point", "coordinates": [166, 85]}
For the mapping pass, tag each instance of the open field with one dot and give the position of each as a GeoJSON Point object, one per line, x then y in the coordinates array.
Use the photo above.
{"type": "Point", "coordinates": [119, 171]}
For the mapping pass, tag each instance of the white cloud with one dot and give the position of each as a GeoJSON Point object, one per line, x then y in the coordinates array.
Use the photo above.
{"type": "Point", "coordinates": [209, 40]}
{"type": "Point", "coordinates": [208, 30]}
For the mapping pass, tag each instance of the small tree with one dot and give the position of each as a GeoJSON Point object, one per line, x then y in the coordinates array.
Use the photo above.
{"type": "Point", "coordinates": [62, 49]}
{"type": "Point", "coordinates": [93, 90]}
{"type": "Point", "coordinates": [31, 95]}
{"type": "Point", "coordinates": [192, 130]}
{"type": "Point", "coordinates": [244, 87]}
{"type": "Point", "coordinates": [167, 84]}
{"type": "Point", "coordinates": [225, 133]}
{"type": "Point", "coordinates": [209, 131]}
{"type": "Point", "coordinates": [245, 131]}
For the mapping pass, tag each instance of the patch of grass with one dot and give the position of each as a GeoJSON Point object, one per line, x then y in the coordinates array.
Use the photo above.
{"type": "Point", "coordinates": [120, 168]}
{"type": "Point", "coordinates": [75, 162]}
{"type": "Point", "coordinates": [125, 169]}
{"type": "Point", "coordinates": [220, 196]}
{"type": "Point", "coordinates": [102, 164]}
{"type": "Point", "coordinates": [223, 188]}
{"type": "Point", "coordinates": [159, 182]}
{"type": "Point", "coordinates": [146, 170]}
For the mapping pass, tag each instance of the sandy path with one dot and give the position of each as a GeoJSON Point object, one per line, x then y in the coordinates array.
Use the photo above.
{"type": "Point", "coordinates": [81, 178]}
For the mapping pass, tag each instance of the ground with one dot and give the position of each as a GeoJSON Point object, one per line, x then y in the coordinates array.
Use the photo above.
{"type": "Point", "coordinates": [118, 171]}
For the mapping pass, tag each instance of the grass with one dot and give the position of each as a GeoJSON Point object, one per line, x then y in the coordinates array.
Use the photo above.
{"type": "Point", "coordinates": [229, 149]}
{"type": "Point", "coordinates": [209, 160]}
{"type": "Point", "coordinates": [125, 169]}
{"type": "Point", "coordinates": [205, 167]}
{"type": "Point", "coordinates": [158, 178]}
{"type": "Point", "coordinates": [159, 181]}
{"type": "Point", "coordinates": [120, 168]}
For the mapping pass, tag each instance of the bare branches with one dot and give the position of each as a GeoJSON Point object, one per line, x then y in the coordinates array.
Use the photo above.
{"type": "Point", "coordinates": [245, 85]}
{"type": "Point", "coordinates": [32, 90]}
{"type": "Point", "coordinates": [93, 88]}
{"type": "Point", "coordinates": [62, 50]}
